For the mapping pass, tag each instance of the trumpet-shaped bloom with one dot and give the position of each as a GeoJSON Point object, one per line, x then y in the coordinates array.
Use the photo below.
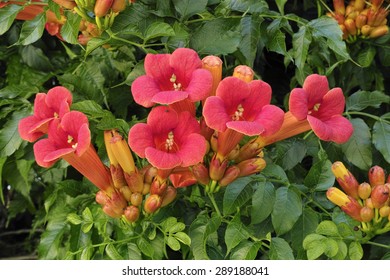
{"type": "Point", "coordinates": [168, 139]}
{"type": "Point", "coordinates": [47, 107]}
{"type": "Point", "coordinates": [322, 108]}
{"type": "Point", "coordinates": [171, 78]}
{"type": "Point", "coordinates": [243, 107]}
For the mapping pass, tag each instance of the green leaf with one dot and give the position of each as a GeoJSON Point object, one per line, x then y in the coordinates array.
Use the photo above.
{"type": "Point", "coordinates": [236, 195]}
{"type": "Point", "coordinates": [320, 176]}
{"type": "Point", "coordinates": [32, 30]}
{"type": "Point", "coordinates": [7, 16]}
{"type": "Point", "coordinates": [183, 238]}
{"type": "Point", "coordinates": [332, 247]}
{"type": "Point", "coordinates": [355, 250]}
{"type": "Point", "coordinates": [168, 223]}
{"type": "Point", "coordinates": [280, 250]}
{"type": "Point", "coordinates": [112, 252]}
{"type": "Point", "coordinates": [250, 36]}
{"type": "Point", "coordinates": [342, 251]}
{"type": "Point", "coordinates": [327, 228]}
{"type": "Point", "coordinates": [358, 148]}
{"type": "Point", "coordinates": [173, 243]}
{"type": "Point", "coordinates": [262, 201]}
{"type": "Point", "coordinates": [158, 29]}
{"type": "Point", "coordinates": [188, 8]}
{"type": "Point", "coordinates": [10, 140]}
{"type": "Point", "coordinates": [246, 250]}
{"type": "Point", "coordinates": [86, 254]}
{"type": "Point", "coordinates": [249, 6]}
{"type": "Point", "coordinates": [145, 247]}
{"type": "Point", "coordinates": [94, 43]}
{"type": "Point", "coordinates": [305, 225]}
{"type": "Point", "coordinates": [290, 152]}
{"type": "Point", "coordinates": [90, 108]}
{"type": "Point", "coordinates": [13, 91]}
{"type": "Point", "coordinates": [275, 171]}
{"type": "Point", "coordinates": [2, 162]}
{"type": "Point", "coordinates": [86, 226]}
{"type": "Point", "coordinates": [366, 56]}
{"type": "Point", "coordinates": [24, 167]}
{"type": "Point", "coordinates": [280, 4]}
{"type": "Point", "coordinates": [178, 227]}
{"type": "Point", "coordinates": [87, 215]}
{"type": "Point", "coordinates": [315, 246]}
{"type": "Point", "coordinates": [235, 233]}
{"type": "Point", "coordinates": [70, 30]}
{"type": "Point", "coordinates": [301, 42]}
{"type": "Point", "coordinates": [218, 36]}
{"type": "Point", "coordinates": [73, 218]}
{"type": "Point", "coordinates": [380, 138]}
{"type": "Point", "coordinates": [287, 210]}
{"type": "Point", "coordinates": [35, 58]}
{"type": "Point", "coordinates": [361, 99]}
{"type": "Point", "coordinates": [133, 252]}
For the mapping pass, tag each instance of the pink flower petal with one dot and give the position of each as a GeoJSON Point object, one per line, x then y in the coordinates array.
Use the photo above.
{"type": "Point", "coordinates": [140, 138]}
{"type": "Point", "coordinates": [41, 110]}
{"type": "Point", "coordinates": [316, 87]}
{"type": "Point", "coordinates": [342, 129]}
{"type": "Point", "coordinates": [192, 150]}
{"type": "Point", "coordinates": [31, 128]}
{"type": "Point", "coordinates": [246, 128]}
{"type": "Point", "coordinates": [83, 139]}
{"type": "Point", "coordinates": [57, 154]}
{"type": "Point", "coordinates": [41, 149]}
{"type": "Point", "coordinates": [157, 66]}
{"type": "Point", "coordinates": [200, 85]}
{"type": "Point", "coordinates": [162, 119]}
{"type": "Point", "coordinates": [143, 90]}
{"type": "Point", "coordinates": [332, 104]}
{"type": "Point", "coordinates": [320, 128]}
{"type": "Point", "coordinates": [271, 118]}
{"type": "Point", "coordinates": [169, 97]}
{"type": "Point", "coordinates": [298, 103]}
{"type": "Point", "coordinates": [184, 62]}
{"type": "Point", "coordinates": [187, 124]}
{"type": "Point", "coordinates": [215, 114]}
{"type": "Point", "coordinates": [162, 159]}
{"type": "Point", "coordinates": [56, 96]}
{"type": "Point", "coordinates": [233, 92]}
{"type": "Point", "coordinates": [73, 121]}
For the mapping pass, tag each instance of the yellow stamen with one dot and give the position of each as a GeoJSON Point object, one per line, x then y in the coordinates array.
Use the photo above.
{"type": "Point", "coordinates": [239, 113]}
{"type": "Point", "coordinates": [169, 142]}
{"type": "Point", "coordinates": [70, 139]}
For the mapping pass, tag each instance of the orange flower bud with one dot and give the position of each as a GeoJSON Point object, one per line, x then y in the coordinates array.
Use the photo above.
{"type": "Point", "coordinates": [67, 4]}
{"type": "Point", "coordinates": [251, 166]}
{"type": "Point", "coordinates": [379, 31]}
{"type": "Point", "coordinates": [376, 3]}
{"type": "Point", "coordinates": [353, 15]}
{"type": "Point", "coordinates": [102, 7]}
{"type": "Point", "coordinates": [359, 5]}
{"type": "Point", "coordinates": [158, 187]}
{"type": "Point", "coordinates": [118, 6]}
{"type": "Point", "coordinates": [131, 213]}
{"type": "Point", "coordinates": [110, 211]}
{"type": "Point", "coordinates": [376, 176]}
{"type": "Point", "coordinates": [339, 7]}
{"type": "Point", "coordinates": [368, 203]}
{"type": "Point", "coordinates": [217, 168]}
{"type": "Point", "coordinates": [350, 26]}
{"type": "Point", "coordinates": [101, 198]}
{"type": "Point", "coordinates": [201, 173]}
{"type": "Point", "coordinates": [244, 73]}
{"type": "Point", "coordinates": [347, 181]}
{"type": "Point", "coordinates": [134, 181]}
{"type": "Point", "coordinates": [367, 214]}
{"type": "Point", "coordinates": [344, 30]}
{"type": "Point", "coordinates": [169, 196]}
{"type": "Point", "coordinates": [152, 203]}
{"type": "Point", "coordinates": [364, 190]}
{"type": "Point", "coordinates": [366, 30]}
{"type": "Point", "coordinates": [347, 203]}
{"type": "Point", "coordinates": [340, 18]}
{"type": "Point", "coordinates": [136, 199]}
{"type": "Point", "coordinates": [360, 21]}
{"type": "Point", "coordinates": [146, 189]}
{"type": "Point", "coordinates": [349, 9]}
{"type": "Point", "coordinates": [213, 64]}
{"type": "Point", "coordinates": [117, 175]}
{"type": "Point", "coordinates": [234, 153]}
{"type": "Point", "coordinates": [384, 211]}
{"type": "Point", "coordinates": [230, 175]}
{"type": "Point", "coordinates": [250, 150]}
{"type": "Point", "coordinates": [126, 192]}
{"type": "Point", "coordinates": [206, 131]}
{"type": "Point", "coordinates": [379, 195]}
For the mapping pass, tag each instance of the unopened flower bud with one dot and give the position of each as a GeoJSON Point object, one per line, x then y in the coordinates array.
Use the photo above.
{"type": "Point", "coordinates": [366, 29]}
{"type": "Point", "coordinates": [134, 181]}
{"type": "Point", "coordinates": [384, 211]}
{"type": "Point", "coordinates": [110, 211]}
{"type": "Point", "coordinates": [251, 166]}
{"type": "Point", "coordinates": [250, 150]}
{"type": "Point", "coordinates": [347, 203]}
{"type": "Point", "coordinates": [368, 203]}
{"type": "Point", "coordinates": [146, 189]}
{"type": "Point", "coordinates": [367, 214]}
{"type": "Point", "coordinates": [234, 153]}
{"type": "Point", "coordinates": [230, 175]}
{"type": "Point", "coordinates": [364, 190]}
{"type": "Point", "coordinates": [117, 175]}
{"type": "Point", "coordinates": [379, 31]}
{"type": "Point", "coordinates": [131, 213]}
{"type": "Point", "coordinates": [149, 172]}
{"type": "Point", "coordinates": [201, 173]}
{"type": "Point", "coordinates": [158, 187]}
{"type": "Point", "coordinates": [344, 177]}
{"type": "Point", "coordinates": [244, 73]}
{"type": "Point", "coordinates": [361, 20]}
{"type": "Point", "coordinates": [102, 7]}
{"type": "Point", "coordinates": [169, 196]}
{"type": "Point", "coordinates": [101, 198]}
{"type": "Point", "coordinates": [136, 199]}
{"type": "Point", "coordinates": [126, 192]}
{"type": "Point", "coordinates": [152, 203]}
{"type": "Point", "coordinates": [379, 195]}
{"type": "Point", "coordinates": [359, 5]}
{"type": "Point", "coordinates": [376, 176]}
{"type": "Point", "coordinates": [350, 26]}
{"type": "Point", "coordinates": [217, 168]}
{"type": "Point", "coordinates": [213, 64]}
{"type": "Point", "coordinates": [339, 7]}
{"type": "Point", "coordinates": [118, 5]}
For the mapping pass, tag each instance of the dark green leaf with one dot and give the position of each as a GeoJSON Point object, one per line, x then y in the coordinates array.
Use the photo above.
{"type": "Point", "coordinates": [13, 91]}
{"type": "Point", "coordinates": [360, 100]}
{"type": "Point", "coordinates": [91, 108]}
{"type": "Point", "coordinates": [250, 36]}
{"type": "Point", "coordinates": [305, 225]}
{"type": "Point", "coordinates": [262, 201]}
{"type": "Point", "coordinates": [158, 29]}
{"type": "Point", "coordinates": [2, 161]}
{"type": "Point", "coordinates": [380, 138]}
{"type": "Point", "coordinates": [70, 30]}
{"type": "Point", "coordinates": [7, 16]}
{"type": "Point", "coordinates": [366, 56]}
{"type": "Point", "coordinates": [32, 30]}
{"type": "Point", "coordinates": [275, 171]}
{"type": "Point", "coordinates": [95, 43]}
{"type": "Point", "coordinates": [358, 148]}
{"type": "Point", "coordinates": [235, 233]}
{"type": "Point", "coordinates": [133, 252]}
{"type": "Point", "coordinates": [251, 6]}
{"type": "Point", "coordinates": [246, 250]}
{"type": "Point", "coordinates": [24, 167]}
{"type": "Point", "coordinates": [188, 8]}
{"type": "Point", "coordinates": [112, 252]}
{"type": "Point", "coordinates": [10, 140]}
{"type": "Point", "coordinates": [35, 58]}
{"type": "Point", "coordinates": [320, 176]}
{"type": "Point", "coordinates": [236, 195]}
{"type": "Point", "coordinates": [280, 249]}
{"type": "Point", "coordinates": [290, 153]}
{"type": "Point", "coordinates": [219, 36]}
{"type": "Point", "coordinates": [287, 210]}
{"type": "Point", "coordinates": [277, 42]}
{"type": "Point", "coordinates": [301, 42]}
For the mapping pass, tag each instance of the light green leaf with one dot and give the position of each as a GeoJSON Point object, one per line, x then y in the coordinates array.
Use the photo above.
{"type": "Point", "coordinates": [178, 227]}
{"type": "Point", "coordinates": [246, 250]}
{"type": "Point", "coordinates": [183, 238]}
{"type": "Point", "coordinates": [366, 56]}
{"type": "Point", "coordinates": [355, 250]}
{"type": "Point", "coordinates": [7, 16]}
{"type": "Point", "coordinates": [287, 210]}
{"type": "Point", "coordinates": [32, 30]}
{"type": "Point", "coordinates": [320, 176]}
{"type": "Point", "coordinates": [236, 195]}
{"type": "Point", "coordinates": [262, 201]}
{"type": "Point", "coordinates": [94, 43]}
{"type": "Point", "coordinates": [361, 99]}
{"type": "Point", "coordinates": [315, 246]}
{"type": "Point", "coordinates": [342, 251]}
{"type": "Point", "coordinates": [112, 252]}
{"type": "Point", "coordinates": [380, 138]}
{"type": "Point", "coordinates": [145, 247]}
{"type": "Point", "coordinates": [73, 218]}
{"type": "Point", "coordinates": [332, 247]}
{"type": "Point", "coordinates": [86, 254]}
{"type": "Point", "coordinates": [168, 223]}
{"type": "Point", "coordinates": [86, 226]}
{"type": "Point", "coordinates": [358, 148]}
{"type": "Point", "coordinates": [133, 252]}
{"type": "Point", "coordinates": [173, 243]}
{"type": "Point", "coordinates": [188, 8]}
{"type": "Point", "coordinates": [70, 30]}
{"type": "Point", "coordinates": [280, 4]}
{"type": "Point", "coordinates": [158, 29]}
{"type": "Point", "coordinates": [280, 250]}
{"type": "Point", "coordinates": [327, 228]}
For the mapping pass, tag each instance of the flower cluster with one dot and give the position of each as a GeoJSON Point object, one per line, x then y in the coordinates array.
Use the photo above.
{"type": "Point", "coordinates": [366, 202]}
{"type": "Point", "coordinates": [182, 147]}
{"type": "Point", "coordinates": [361, 18]}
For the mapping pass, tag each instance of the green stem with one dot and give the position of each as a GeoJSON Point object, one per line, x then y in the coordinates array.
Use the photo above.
{"type": "Point", "coordinates": [211, 196]}
{"type": "Point", "coordinates": [378, 244]}
{"type": "Point", "coordinates": [367, 115]}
